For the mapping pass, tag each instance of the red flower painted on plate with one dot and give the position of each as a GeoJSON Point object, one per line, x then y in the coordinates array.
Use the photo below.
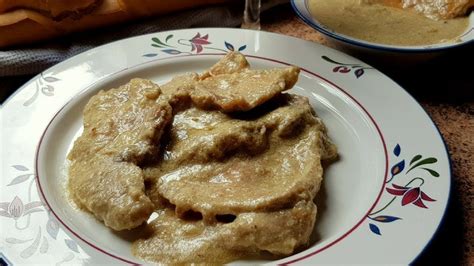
{"type": "Point", "coordinates": [198, 41]}
{"type": "Point", "coordinates": [341, 69]}
{"type": "Point", "coordinates": [410, 195]}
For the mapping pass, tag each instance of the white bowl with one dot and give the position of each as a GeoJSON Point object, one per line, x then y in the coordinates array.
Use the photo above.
{"type": "Point", "coordinates": [351, 44]}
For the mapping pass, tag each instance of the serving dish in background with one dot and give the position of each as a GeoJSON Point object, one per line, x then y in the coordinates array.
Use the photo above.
{"type": "Point", "coordinates": [373, 51]}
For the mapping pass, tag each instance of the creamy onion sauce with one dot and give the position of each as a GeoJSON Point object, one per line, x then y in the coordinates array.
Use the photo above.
{"type": "Point", "coordinates": [385, 24]}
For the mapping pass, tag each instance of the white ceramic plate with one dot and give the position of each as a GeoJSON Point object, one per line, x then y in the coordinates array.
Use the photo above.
{"type": "Point", "coordinates": [380, 203]}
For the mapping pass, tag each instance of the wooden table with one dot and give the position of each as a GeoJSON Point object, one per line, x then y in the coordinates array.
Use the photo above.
{"type": "Point", "coordinates": [445, 89]}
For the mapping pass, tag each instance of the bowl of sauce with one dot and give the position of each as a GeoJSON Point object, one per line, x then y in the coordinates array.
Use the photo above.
{"type": "Point", "coordinates": [393, 26]}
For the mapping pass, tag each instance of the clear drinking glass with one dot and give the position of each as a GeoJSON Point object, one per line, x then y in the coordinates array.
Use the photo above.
{"type": "Point", "coordinates": [251, 15]}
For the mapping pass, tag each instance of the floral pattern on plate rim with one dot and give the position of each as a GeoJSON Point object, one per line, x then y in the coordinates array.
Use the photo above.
{"type": "Point", "coordinates": [20, 214]}
{"type": "Point", "coordinates": [198, 44]}
{"type": "Point", "coordinates": [345, 68]}
{"type": "Point", "coordinates": [410, 194]}
{"type": "Point", "coordinates": [43, 85]}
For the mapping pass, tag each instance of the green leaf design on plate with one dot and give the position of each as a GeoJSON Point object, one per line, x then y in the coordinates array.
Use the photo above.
{"type": "Point", "coordinates": [330, 60]}
{"type": "Point", "coordinates": [415, 158]}
{"type": "Point", "coordinates": [157, 41]}
{"type": "Point", "coordinates": [338, 63]}
{"type": "Point", "coordinates": [432, 172]}
{"type": "Point", "coordinates": [429, 160]}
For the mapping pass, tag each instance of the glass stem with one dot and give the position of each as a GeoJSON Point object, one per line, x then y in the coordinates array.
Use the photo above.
{"type": "Point", "coordinates": [251, 15]}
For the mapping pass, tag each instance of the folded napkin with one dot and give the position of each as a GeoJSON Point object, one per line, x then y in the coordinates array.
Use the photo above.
{"type": "Point", "coordinates": [30, 60]}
